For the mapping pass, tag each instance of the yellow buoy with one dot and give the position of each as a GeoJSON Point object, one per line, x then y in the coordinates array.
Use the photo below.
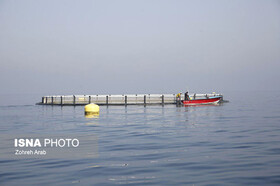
{"type": "Point", "coordinates": [91, 109]}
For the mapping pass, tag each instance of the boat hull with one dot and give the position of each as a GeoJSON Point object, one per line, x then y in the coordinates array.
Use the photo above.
{"type": "Point", "coordinates": [212, 100]}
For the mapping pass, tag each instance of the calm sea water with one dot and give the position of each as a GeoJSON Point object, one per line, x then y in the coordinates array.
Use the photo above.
{"type": "Point", "coordinates": [237, 143]}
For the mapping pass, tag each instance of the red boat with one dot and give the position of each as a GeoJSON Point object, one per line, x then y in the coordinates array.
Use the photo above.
{"type": "Point", "coordinates": [202, 101]}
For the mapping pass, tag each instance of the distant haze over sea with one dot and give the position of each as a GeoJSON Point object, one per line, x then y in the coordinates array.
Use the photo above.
{"type": "Point", "coordinates": [116, 47]}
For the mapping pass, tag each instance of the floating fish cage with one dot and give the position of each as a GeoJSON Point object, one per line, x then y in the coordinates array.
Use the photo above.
{"type": "Point", "coordinates": [127, 99]}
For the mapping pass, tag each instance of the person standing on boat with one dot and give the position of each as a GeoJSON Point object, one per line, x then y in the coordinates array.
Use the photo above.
{"type": "Point", "coordinates": [187, 96]}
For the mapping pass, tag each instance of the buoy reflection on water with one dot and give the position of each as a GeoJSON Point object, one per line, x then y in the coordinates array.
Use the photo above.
{"type": "Point", "coordinates": [91, 115]}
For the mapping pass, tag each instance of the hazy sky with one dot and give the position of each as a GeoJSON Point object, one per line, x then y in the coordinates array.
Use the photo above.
{"type": "Point", "coordinates": [139, 46]}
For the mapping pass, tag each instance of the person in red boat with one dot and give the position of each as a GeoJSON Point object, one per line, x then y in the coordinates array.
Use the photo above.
{"type": "Point", "coordinates": [187, 96]}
